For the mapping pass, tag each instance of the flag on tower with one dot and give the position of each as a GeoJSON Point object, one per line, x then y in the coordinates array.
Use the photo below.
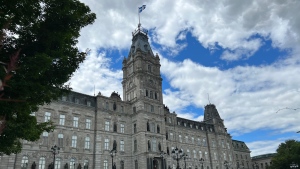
{"type": "Point", "coordinates": [142, 8]}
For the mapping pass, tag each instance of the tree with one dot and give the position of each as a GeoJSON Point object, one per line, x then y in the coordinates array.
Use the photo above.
{"type": "Point", "coordinates": [45, 33]}
{"type": "Point", "coordinates": [287, 153]}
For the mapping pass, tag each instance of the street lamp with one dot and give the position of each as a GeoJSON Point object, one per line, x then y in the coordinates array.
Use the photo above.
{"type": "Point", "coordinates": [201, 162]}
{"type": "Point", "coordinates": [226, 164]}
{"type": "Point", "coordinates": [293, 165]}
{"type": "Point", "coordinates": [113, 153]}
{"type": "Point", "coordinates": [177, 155]}
{"type": "Point", "coordinates": [55, 150]}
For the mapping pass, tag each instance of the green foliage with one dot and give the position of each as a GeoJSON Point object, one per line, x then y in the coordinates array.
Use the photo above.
{"type": "Point", "coordinates": [287, 153]}
{"type": "Point", "coordinates": [45, 32]}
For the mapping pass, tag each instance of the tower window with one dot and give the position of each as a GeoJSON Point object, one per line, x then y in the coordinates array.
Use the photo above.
{"type": "Point", "coordinates": [149, 68]}
{"type": "Point", "coordinates": [151, 94]}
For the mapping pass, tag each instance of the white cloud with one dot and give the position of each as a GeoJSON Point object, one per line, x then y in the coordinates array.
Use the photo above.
{"type": "Point", "coordinates": [247, 97]}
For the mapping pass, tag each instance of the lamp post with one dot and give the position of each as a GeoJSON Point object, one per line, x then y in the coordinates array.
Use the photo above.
{"type": "Point", "coordinates": [162, 155]}
{"type": "Point", "coordinates": [293, 165]}
{"type": "Point", "coordinates": [201, 162]}
{"type": "Point", "coordinates": [226, 164]}
{"type": "Point", "coordinates": [177, 155]}
{"type": "Point", "coordinates": [112, 154]}
{"type": "Point", "coordinates": [55, 150]}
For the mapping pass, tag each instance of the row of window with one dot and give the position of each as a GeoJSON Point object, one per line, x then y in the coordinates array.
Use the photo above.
{"type": "Point", "coordinates": [62, 119]}
{"type": "Point", "coordinates": [115, 128]}
{"type": "Point", "coordinates": [199, 141]}
{"type": "Point", "coordinates": [58, 164]}
{"type": "Point", "coordinates": [76, 100]}
{"type": "Point", "coordinates": [106, 145]}
{"type": "Point", "coordinates": [60, 141]}
{"type": "Point", "coordinates": [105, 165]}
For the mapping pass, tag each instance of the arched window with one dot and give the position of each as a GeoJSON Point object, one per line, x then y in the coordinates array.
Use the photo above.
{"type": "Point", "coordinates": [122, 165]}
{"type": "Point", "coordinates": [57, 163]}
{"type": "Point", "coordinates": [105, 164]}
{"type": "Point", "coordinates": [86, 164]}
{"type": "Point", "coordinates": [42, 163]}
{"type": "Point", "coordinates": [72, 163]}
{"type": "Point", "coordinates": [24, 162]}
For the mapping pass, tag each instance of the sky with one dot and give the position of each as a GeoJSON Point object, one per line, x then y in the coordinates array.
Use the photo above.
{"type": "Point", "coordinates": [242, 56]}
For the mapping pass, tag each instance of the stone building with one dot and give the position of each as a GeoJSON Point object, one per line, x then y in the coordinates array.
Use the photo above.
{"type": "Point", "coordinates": [140, 127]}
{"type": "Point", "coordinates": [262, 161]}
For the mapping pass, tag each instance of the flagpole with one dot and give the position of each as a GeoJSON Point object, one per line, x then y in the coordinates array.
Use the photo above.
{"type": "Point", "coordinates": [139, 20]}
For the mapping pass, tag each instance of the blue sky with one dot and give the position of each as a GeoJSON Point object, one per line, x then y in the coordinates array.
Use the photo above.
{"type": "Point", "coordinates": [244, 54]}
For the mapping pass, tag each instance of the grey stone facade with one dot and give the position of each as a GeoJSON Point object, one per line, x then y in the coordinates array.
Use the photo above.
{"type": "Point", "coordinates": [262, 161]}
{"type": "Point", "coordinates": [140, 125]}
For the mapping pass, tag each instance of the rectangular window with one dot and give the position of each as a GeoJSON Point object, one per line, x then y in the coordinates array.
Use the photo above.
{"type": "Point", "coordinates": [106, 144]}
{"type": "Point", "coordinates": [186, 139]}
{"type": "Point", "coordinates": [122, 109]}
{"type": "Point", "coordinates": [74, 141]}
{"type": "Point", "coordinates": [134, 128]}
{"type": "Point", "coordinates": [206, 155]}
{"type": "Point", "coordinates": [199, 141]}
{"type": "Point", "coordinates": [60, 140]}
{"type": "Point", "coordinates": [213, 143]}
{"type": "Point", "coordinates": [195, 154]}
{"type": "Point", "coordinates": [171, 136]}
{"type": "Point", "coordinates": [57, 163]}
{"type": "Point", "coordinates": [47, 116]}
{"type": "Point", "coordinates": [45, 138]}
{"type": "Point", "coordinates": [215, 155]}
{"type": "Point", "coordinates": [42, 163]}
{"type": "Point", "coordinates": [107, 105]}
{"type": "Point", "coordinates": [204, 142]}
{"type": "Point", "coordinates": [193, 140]}
{"type": "Point", "coordinates": [88, 123]}
{"type": "Point", "coordinates": [61, 119]}
{"type": "Point", "coordinates": [87, 143]}
{"type": "Point", "coordinates": [88, 103]}
{"type": "Point", "coordinates": [152, 108]}
{"type": "Point", "coordinates": [107, 126]}
{"type": "Point", "coordinates": [76, 100]}
{"type": "Point", "coordinates": [200, 154]}
{"type": "Point", "coordinates": [180, 139]}
{"type": "Point", "coordinates": [224, 156]}
{"type": "Point", "coordinates": [154, 145]}
{"type": "Point", "coordinates": [121, 145]}
{"type": "Point", "coordinates": [75, 122]}
{"type": "Point", "coordinates": [122, 128]}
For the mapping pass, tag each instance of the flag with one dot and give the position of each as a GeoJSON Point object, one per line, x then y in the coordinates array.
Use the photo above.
{"type": "Point", "coordinates": [142, 8]}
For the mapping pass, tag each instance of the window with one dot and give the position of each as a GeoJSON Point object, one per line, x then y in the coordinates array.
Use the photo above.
{"type": "Point", "coordinates": [47, 116]}
{"type": "Point", "coordinates": [136, 164]}
{"type": "Point", "coordinates": [149, 68]}
{"type": "Point", "coordinates": [152, 107]}
{"type": "Point", "coordinates": [24, 162]}
{"type": "Point", "coordinates": [154, 145]}
{"type": "Point", "coordinates": [107, 126]}
{"type": "Point", "coordinates": [204, 142]}
{"type": "Point", "coordinates": [158, 129]}
{"type": "Point", "coordinates": [151, 96]}
{"type": "Point", "coordinates": [180, 139]}
{"type": "Point", "coordinates": [135, 145]}
{"type": "Point", "coordinates": [169, 119]}
{"type": "Point", "coordinates": [64, 98]}
{"type": "Point", "coordinates": [186, 139]}
{"type": "Point", "coordinates": [230, 158]}
{"type": "Point", "coordinates": [86, 164]}
{"type": "Point", "coordinates": [105, 164]}
{"type": "Point", "coordinates": [60, 140]}
{"type": "Point", "coordinates": [122, 109]}
{"type": "Point", "coordinates": [134, 128]}
{"type": "Point", "coordinates": [152, 127]}
{"type": "Point", "coordinates": [121, 145]}
{"type": "Point", "coordinates": [224, 154]}
{"type": "Point", "coordinates": [195, 154]}
{"type": "Point", "coordinates": [188, 153]}
{"type": "Point", "coordinates": [193, 140]}
{"type": "Point", "coordinates": [87, 143]}
{"type": "Point", "coordinates": [61, 119]}
{"type": "Point", "coordinates": [74, 141]}
{"type": "Point", "coordinates": [76, 100]}
{"type": "Point", "coordinates": [88, 123]}
{"type": "Point", "coordinates": [171, 136]}
{"type": "Point", "coordinates": [213, 143]}
{"type": "Point", "coordinates": [57, 163]}
{"type": "Point", "coordinates": [88, 103]}
{"type": "Point", "coordinates": [215, 155]}
{"type": "Point", "coordinates": [106, 144]}
{"type": "Point", "coordinates": [122, 128]}
{"type": "Point", "coordinates": [75, 121]}
{"type": "Point", "coordinates": [45, 138]}
{"type": "Point", "coordinates": [200, 154]}
{"type": "Point", "coordinates": [122, 165]}
{"type": "Point", "coordinates": [206, 155]}
{"type": "Point", "coordinates": [72, 163]}
{"type": "Point", "coordinates": [115, 127]}
{"type": "Point", "coordinates": [42, 163]}
{"type": "Point", "coordinates": [199, 141]}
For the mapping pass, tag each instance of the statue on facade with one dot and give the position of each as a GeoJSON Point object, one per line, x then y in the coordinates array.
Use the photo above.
{"type": "Point", "coordinates": [66, 166]}
{"type": "Point", "coordinates": [33, 166]}
{"type": "Point", "coordinates": [79, 166]}
{"type": "Point", "coordinates": [114, 166]}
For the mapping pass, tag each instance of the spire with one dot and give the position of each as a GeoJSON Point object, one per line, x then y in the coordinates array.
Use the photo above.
{"type": "Point", "coordinates": [211, 112]}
